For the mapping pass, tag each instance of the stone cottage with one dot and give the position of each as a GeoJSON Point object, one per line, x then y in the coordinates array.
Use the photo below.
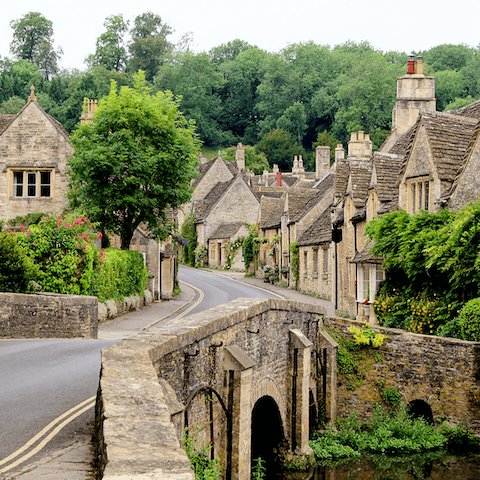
{"type": "Point", "coordinates": [34, 150]}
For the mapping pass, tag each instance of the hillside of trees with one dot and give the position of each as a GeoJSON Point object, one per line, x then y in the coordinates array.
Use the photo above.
{"type": "Point", "coordinates": [236, 92]}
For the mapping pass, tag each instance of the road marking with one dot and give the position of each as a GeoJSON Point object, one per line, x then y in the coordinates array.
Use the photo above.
{"type": "Point", "coordinates": [72, 414]}
{"type": "Point", "coordinates": [200, 299]}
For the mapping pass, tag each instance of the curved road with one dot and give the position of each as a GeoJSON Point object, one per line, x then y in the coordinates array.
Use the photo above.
{"type": "Point", "coordinates": [40, 380]}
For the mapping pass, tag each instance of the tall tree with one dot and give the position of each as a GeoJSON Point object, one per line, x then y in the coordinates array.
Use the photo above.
{"type": "Point", "coordinates": [279, 148]}
{"type": "Point", "coordinates": [32, 41]}
{"type": "Point", "coordinates": [111, 52]}
{"type": "Point", "coordinates": [149, 44]}
{"type": "Point", "coordinates": [133, 161]}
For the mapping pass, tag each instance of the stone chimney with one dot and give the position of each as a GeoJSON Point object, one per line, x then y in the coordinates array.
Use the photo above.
{"type": "Point", "coordinates": [339, 153]}
{"type": "Point", "coordinates": [275, 168]}
{"type": "Point", "coordinates": [202, 158]}
{"type": "Point", "coordinates": [89, 108]}
{"type": "Point", "coordinates": [240, 156]}
{"type": "Point", "coordinates": [322, 161]}
{"type": "Point", "coordinates": [360, 146]}
{"type": "Point", "coordinates": [415, 92]}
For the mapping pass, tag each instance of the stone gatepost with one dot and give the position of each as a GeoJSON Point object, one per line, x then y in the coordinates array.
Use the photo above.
{"type": "Point", "coordinates": [329, 349]}
{"type": "Point", "coordinates": [301, 348]}
{"type": "Point", "coordinates": [239, 394]}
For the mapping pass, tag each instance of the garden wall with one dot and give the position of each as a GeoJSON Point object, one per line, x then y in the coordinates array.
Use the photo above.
{"type": "Point", "coordinates": [442, 372]}
{"type": "Point", "coordinates": [48, 315]}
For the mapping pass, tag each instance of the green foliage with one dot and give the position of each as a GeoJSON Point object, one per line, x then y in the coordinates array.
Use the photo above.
{"type": "Point", "coordinates": [256, 162]}
{"type": "Point", "coordinates": [295, 261]}
{"type": "Point", "coordinates": [189, 232]}
{"type": "Point", "coordinates": [251, 246]}
{"type": "Point", "coordinates": [366, 336]}
{"type": "Point", "coordinates": [198, 454]}
{"type": "Point", "coordinates": [326, 139]}
{"type": "Point", "coordinates": [258, 469]}
{"type": "Point", "coordinates": [391, 433]}
{"type": "Point", "coordinates": [17, 270]}
{"type": "Point", "coordinates": [231, 250]}
{"type": "Point", "coordinates": [201, 255]}
{"type": "Point", "coordinates": [469, 320]}
{"type": "Point", "coordinates": [110, 49]}
{"type": "Point", "coordinates": [391, 396]}
{"type": "Point", "coordinates": [149, 45]}
{"type": "Point", "coordinates": [279, 148]}
{"type": "Point", "coordinates": [121, 273]}
{"type": "Point", "coordinates": [133, 161]}
{"type": "Point", "coordinates": [32, 41]}
{"type": "Point", "coordinates": [63, 251]}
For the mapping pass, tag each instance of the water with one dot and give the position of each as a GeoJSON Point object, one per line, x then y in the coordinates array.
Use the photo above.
{"type": "Point", "coordinates": [426, 466]}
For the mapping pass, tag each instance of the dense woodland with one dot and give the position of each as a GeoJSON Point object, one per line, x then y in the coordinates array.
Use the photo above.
{"type": "Point", "coordinates": [302, 96]}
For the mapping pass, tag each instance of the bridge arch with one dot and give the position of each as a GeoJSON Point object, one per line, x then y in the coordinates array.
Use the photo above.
{"type": "Point", "coordinates": [267, 387]}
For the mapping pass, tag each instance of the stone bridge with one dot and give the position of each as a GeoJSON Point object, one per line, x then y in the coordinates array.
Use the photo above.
{"type": "Point", "coordinates": [250, 376]}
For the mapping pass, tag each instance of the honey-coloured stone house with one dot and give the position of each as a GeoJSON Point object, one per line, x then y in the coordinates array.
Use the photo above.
{"type": "Point", "coordinates": [34, 150]}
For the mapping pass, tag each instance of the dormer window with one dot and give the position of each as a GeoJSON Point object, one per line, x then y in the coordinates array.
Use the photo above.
{"type": "Point", "coordinates": [419, 195]}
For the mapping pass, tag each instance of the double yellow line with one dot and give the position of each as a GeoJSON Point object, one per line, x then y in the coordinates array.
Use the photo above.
{"type": "Point", "coordinates": [53, 427]}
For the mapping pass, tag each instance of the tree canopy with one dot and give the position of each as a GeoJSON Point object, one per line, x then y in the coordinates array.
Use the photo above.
{"type": "Point", "coordinates": [134, 161]}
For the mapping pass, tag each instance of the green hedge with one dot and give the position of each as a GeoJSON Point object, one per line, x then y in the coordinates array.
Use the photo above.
{"type": "Point", "coordinates": [121, 274]}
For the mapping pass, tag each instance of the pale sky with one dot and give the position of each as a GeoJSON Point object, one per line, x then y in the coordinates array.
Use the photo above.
{"type": "Point", "coordinates": [405, 25]}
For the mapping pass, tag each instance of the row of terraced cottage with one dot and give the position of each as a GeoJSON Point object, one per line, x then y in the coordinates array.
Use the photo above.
{"type": "Point", "coordinates": [430, 160]}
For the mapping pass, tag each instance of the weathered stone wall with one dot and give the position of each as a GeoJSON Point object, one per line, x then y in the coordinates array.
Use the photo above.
{"type": "Point", "coordinates": [48, 316]}
{"type": "Point", "coordinates": [140, 422]}
{"type": "Point", "coordinates": [443, 372]}
{"type": "Point", "coordinates": [316, 278]}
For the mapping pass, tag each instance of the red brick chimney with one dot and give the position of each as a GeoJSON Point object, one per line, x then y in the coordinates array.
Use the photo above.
{"type": "Point", "coordinates": [279, 179]}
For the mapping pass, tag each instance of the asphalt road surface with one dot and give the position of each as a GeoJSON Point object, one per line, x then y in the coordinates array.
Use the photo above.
{"type": "Point", "coordinates": [43, 380]}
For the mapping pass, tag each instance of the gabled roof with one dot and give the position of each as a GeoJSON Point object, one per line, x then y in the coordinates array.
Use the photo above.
{"type": "Point", "coordinates": [360, 181]}
{"type": "Point", "coordinates": [203, 168]}
{"type": "Point", "coordinates": [472, 110]}
{"type": "Point", "coordinates": [341, 178]}
{"type": "Point", "coordinates": [366, 255]}
{"type": "Point", "coordinates": [5, 121]}
{"type": "Point", "coordinates": [204, 207]}
{"type": "Point", "coordinates": [320, 231]}
{"type": "Point", "coordinates": [402, 146]}
{"type": "Point", "coordinates": [320, 191]}
{"type": "Point", "coordinates": [227, 230]}
{"type": "Point", "coordinates": [262, 193]}
{"type": "Point", "coordinates": [387, 167]}
{"type": "Point", "coordinates": [271, 212]}
{"type": "Point", "coordinates": [449, 136]}
{"type": "Point", "coordinates": [297, 199]}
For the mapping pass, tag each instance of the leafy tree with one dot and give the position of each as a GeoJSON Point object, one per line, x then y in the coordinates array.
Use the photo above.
{"type": "Point", "coordinates": [448, 57]}
{"type": "Point", "coordinates": [111, 52]}
{"type": "Point", "coordinates": [149, 44]}
{"type": "Point", "coordinates": [12, 106]}
{"type": "Point", "coordinates": [279, 147]}
{"type": "Point", "coordinates": [256, 162]}
{"type": "Point", "coordinates": [448, 87]}
{"type": "Point", "coordinates": [195, 79]}
{"type": "Point", "coordinates": [32, 41]}
{"type": "Point", "coordinates": [471, 75]}
{"type": "Point", "coordinates": [229, 51]}
{"type": "Point", "coordinates": [326, 139]}
{"type": "Point", "coordinates": [133, 161]}
{"type": "Point", "coordinates": [294, 121]}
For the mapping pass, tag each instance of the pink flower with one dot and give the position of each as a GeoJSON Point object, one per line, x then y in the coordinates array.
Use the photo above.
{"type": "Point", "coordinates": [28, 234]}
{"type": "Point", "coordinates": [22, 227]}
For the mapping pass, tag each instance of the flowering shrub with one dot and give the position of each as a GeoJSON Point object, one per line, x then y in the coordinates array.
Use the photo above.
{"type": "Point", "coordinates": [62, 249]}
{"type": "Point", "coordinates": [366, 336]}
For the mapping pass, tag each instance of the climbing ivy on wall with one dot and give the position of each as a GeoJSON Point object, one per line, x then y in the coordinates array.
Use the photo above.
{"type": "Point", "coordinates": [295, 261]}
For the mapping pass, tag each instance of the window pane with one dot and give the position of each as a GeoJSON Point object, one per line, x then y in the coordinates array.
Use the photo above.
{"type": "Point", "coordinates": [325, 261]}
{"type": "Point", "coordinates": [18, 184]}
{"type": "Point", "coordinates": [366, 281]}
{"type": "Point", "coordinates": [44, 184]}
{"type": "Point", "coordinates": [315, 260]}
{"type": "Point", "coordinates": [413, 198]}
{"type": "Point", "coordinates": [31, 184]}
{"type": "Point", "coordinates": [420, 206]}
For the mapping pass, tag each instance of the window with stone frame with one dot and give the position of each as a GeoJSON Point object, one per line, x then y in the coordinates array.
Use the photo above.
{"type": "Point", "coordinates": [315, 260]}
{"type": "Point", "coordinates": [305, 261]}
{"type": "Point", "coordinates": [32, 183]}
{"type": "Point", "coordinates": [369, 277]}
{"type": "Point", "coordinates": [325, 260]}
{"type": "Point", "coordinates": [418, 194]}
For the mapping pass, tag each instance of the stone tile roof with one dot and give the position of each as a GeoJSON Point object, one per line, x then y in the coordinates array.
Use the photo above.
{"type": "Point", "coordinates": [360, 177]}
{"type": "Point", "coordinates": [472, 110]}
{"type": "Point", "coordinates": [204, 207]}
{"type": "Point", "coordinates": [320, 231]}
{"type": "Point", "coordinates": [321, 189]}
{"type": "Point", "coordinates": [271, 211]}
{"type": "Point", "coordinates": [227, 230]}
{"type": "Point", "coordinates": [203, 168]}
{"type": "Point", "coordinates": [262, 193]}
{"type": "Point", "coordinates": [341, 178]}
{"type": "Point", "coordinates": [402, 146]}
{"type": "Point", "coordinates": [5, 121]}
{"type": "Point", "coordinates": [287, 179]}
{"type": "Point", "coordinates": [449, 136]}
{"type": "Point", "coordinates": [297, 199]}
{"type": "Point", "coordinates": [387, 168]}
{"type": "Point", "coordinates": [365, 256]}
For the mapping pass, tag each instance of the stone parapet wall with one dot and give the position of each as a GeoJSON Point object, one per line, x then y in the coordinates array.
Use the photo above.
{"type": "Point", "coordinates": [443, 372]}
{"type": "Point", "coordinates": [148, 379]}
{"type": "Point", "coordinates": [48, 315]}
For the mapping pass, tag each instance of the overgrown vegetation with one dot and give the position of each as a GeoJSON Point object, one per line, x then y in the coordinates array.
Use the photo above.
{"type": "Point", "coordinates": [199, 456]}
{"type": "Point", "coordinates": [189, 233]}
{"type": "Point", "coordinates": [433, 270]}
{"type": "Point", "coordinates": [295, 261]}
{"type": "Point", "coordinates": [387, 432]}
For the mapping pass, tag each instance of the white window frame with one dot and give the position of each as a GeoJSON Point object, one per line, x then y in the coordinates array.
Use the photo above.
{"type": "Point", "coordinates": [32, 183]}
{"type": "Point", "coordinates": [369, 277]}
